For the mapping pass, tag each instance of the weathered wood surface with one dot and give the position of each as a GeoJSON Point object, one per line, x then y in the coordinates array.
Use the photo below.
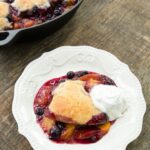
{"type": "Point", "coordinates": [122, 27]}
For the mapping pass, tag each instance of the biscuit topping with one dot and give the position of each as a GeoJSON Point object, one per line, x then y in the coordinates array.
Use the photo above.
{"type": "Point", "coordinates": [78, 104]}
{"type": "Point", "coordinates": [23, 5]}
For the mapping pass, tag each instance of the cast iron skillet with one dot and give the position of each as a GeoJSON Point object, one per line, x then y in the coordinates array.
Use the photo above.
{"type": "Point", "coordinates": [10, 36]}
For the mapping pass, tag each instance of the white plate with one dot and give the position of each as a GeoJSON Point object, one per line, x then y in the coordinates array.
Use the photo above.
{"type": "Point", "coordinates": [56, 63]}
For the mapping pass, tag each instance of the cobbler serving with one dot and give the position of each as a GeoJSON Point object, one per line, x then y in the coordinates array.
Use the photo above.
{"type": "Point", "coordinates": [66, 112]}
{"type": "Point", "coordinates": [16, 14]}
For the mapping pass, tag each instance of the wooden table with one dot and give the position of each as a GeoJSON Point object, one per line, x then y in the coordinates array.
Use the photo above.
{"type": "Point", "coordinates": [121, 27]}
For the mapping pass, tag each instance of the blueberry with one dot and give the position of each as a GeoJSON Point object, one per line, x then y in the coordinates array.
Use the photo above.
{"type": "Point", "coordinates": [35, 11]}
{"type": "Point", "coordinates": [70, 75]}
{"type": "Point", "coordinates": [57, 11]}
{"type": "Point", "coordinates": [39, 111]}
{"type": "Point", "coordinates": [55, 133]}
{"type": "Point", "coordinates": [82, 73]}
{"type": "Point", "coordinates": [60, 125]}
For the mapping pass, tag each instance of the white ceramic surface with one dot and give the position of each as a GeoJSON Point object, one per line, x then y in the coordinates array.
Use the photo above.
{"type": "Point", "coordinates": [56, 63]}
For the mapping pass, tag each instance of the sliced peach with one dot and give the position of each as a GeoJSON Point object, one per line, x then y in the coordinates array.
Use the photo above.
{"type": "Point", "coordinates": [100, 78]}
{"type": "Point", "coordinates": [91, 83]}
{"type": "Point", "coordinates": [91, 80]}
{"type": "Point", "coordinates": [46, 124]}
{"type": "Point", "coordinates": [68, 132]}
{"type": "Point", "coordinates": [28, 23]}
{"type": "Point", "coordinates": [17, 25]}
{"type": "Point", "coordinates": [105, 128]}
{"type": "Point", "coordinates": [90, 76]}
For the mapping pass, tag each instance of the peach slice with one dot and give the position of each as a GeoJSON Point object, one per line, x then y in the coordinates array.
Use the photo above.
{"type": "Point", "coordinates": [68, 132]}
{"type": "Point", "coordinates": [88, 77]}
{"type": "Point", "coordinates": [105, 128]}
{"type": "Point", "coordinates": [46, 124]}
{"type": "Point", "coordinates": [89, 84]}
{"type": "Point", "coordinates": [91, 80]}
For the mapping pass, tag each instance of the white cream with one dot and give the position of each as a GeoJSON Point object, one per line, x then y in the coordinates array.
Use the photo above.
{"type": "Point", "coordinates": [109, 99]}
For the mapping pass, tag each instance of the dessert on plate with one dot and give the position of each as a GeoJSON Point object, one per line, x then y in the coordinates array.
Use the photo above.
{"type": "Point", "coordinates": [16, 14]}
{"type": "Point", "coordinates": [79, 107]}
{"type": "Point", "coordinates": [101, 108]}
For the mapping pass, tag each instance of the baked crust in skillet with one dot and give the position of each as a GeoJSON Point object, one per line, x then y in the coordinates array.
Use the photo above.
{"type": "Point", "coordinates": [23, 5]}
{"type": "Point", "coordinates": [4, 23]}
{"type": "Point", "coordinates": [4, 9]}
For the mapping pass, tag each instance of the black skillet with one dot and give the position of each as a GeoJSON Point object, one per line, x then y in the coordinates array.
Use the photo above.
{"type": "Point", "coordinates": [10, 36]}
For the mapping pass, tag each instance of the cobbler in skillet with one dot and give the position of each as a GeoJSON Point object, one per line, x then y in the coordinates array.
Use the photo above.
{"type": "Point", "coordinates": [16, 14]}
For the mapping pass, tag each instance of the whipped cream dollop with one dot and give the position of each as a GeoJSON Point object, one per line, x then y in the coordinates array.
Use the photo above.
{"type": "Point", "coordinates": [109, 99]}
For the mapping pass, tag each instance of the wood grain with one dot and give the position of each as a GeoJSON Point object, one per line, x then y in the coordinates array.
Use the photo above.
{"type": "Point", "coordinates": [122, 27]}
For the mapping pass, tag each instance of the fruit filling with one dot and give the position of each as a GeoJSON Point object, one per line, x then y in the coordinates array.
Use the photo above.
{"type": "Point", "coordinates": [71, 125]}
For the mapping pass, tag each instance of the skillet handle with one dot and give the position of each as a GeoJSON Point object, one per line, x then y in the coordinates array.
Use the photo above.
{"type": "Point", "coordinates": [7, 37]}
